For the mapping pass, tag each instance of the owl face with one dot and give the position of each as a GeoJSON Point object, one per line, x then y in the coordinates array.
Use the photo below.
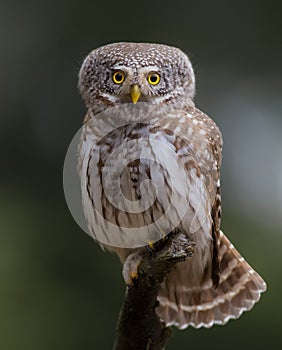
{"type": "Point", "coordinates": [136, 72]}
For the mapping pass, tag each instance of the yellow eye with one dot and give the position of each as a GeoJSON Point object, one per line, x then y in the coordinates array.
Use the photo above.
{"type": "Point", "coordinates": [154, 78]}
{"type": "Point", "coordinates": [118, 77]}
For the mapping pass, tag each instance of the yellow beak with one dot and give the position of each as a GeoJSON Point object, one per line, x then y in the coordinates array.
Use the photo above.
{"type": "Point", "coordinates": [135, 93]}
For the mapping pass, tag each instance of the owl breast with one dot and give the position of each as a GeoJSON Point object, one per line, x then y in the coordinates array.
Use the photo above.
{"type": "Point", "coordinates": [142, 180]}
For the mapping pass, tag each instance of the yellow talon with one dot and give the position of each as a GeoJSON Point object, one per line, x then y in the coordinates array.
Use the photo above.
{"type": "Point", "coordinates": [151, 245]}
{"type": "Point", "coordinates": [133, 275]}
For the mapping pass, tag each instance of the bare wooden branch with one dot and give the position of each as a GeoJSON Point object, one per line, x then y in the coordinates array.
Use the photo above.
{"type": "Point", "coordinates": [139, 328]}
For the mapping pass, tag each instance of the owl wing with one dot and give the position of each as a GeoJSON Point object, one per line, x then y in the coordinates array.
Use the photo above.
{"type": "Point", "coordinates": [216, 284]}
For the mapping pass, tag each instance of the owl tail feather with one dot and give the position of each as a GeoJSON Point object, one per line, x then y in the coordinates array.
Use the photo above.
{"type": "Point", "coordinates": [183, 304]}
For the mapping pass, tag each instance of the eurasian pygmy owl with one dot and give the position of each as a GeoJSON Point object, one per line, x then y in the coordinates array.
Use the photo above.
{"type": "Point", "coordinates": [172, 136]}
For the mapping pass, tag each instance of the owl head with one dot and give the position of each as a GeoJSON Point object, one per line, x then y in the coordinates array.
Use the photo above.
{"type": "Point", "coordinates": [136, 72]}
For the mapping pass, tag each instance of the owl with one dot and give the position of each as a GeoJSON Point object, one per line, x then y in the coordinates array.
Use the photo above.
{"type": "Point", "coordinates": [156, 84]}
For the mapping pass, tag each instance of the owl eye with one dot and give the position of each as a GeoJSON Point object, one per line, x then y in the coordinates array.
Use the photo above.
{"type": "Point", "coordinates": [118, 77]}
{"type": "Point", "coordinates": [154, 78]}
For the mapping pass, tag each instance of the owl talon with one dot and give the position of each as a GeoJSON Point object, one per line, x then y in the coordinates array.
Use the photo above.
{"type": "Point", "coordinates": [154, 246]}
{"type": "Point", "coordinates": [130, 269]}
{"type": "Point", "coordinates": [151, 247]}
{"type": "Point", "coordinates": [133, 276]}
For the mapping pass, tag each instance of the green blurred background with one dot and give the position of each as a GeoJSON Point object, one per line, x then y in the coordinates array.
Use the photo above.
{"type": "Point", "coordinates": [58, 290]}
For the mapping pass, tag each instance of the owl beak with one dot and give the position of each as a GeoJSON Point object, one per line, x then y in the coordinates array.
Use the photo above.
{"type": "Point", "coordinates": [135, 93]}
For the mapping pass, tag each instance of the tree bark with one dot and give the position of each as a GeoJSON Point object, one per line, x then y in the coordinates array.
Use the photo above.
{"type": "Point", "coordinates": [139, 327]}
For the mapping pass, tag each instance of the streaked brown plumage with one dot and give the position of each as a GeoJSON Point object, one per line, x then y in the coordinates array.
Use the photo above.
{"type": "Point", "coordinates": [216, 284]}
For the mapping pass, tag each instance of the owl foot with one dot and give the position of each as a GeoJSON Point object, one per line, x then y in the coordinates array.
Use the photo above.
{"type": "Point", "coordinates": [159, 244]}
{"type": "Point", "coordinates": [151, 247]}
{"type": "Point", "coordinates": [130, 268]}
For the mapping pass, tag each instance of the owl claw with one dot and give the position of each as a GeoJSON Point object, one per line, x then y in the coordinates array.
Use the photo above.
{"type": "Point", "coordinates": [154, 246]}
{"type": "Point", "coordinates": [151, 247]}
{"type": "Point", "coordinates": [130, 269]}
{"type": "Point", "coordinates": [133, 276]}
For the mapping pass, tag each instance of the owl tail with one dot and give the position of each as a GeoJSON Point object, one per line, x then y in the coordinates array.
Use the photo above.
{"type": "Point", "coordinates": [183, 301]}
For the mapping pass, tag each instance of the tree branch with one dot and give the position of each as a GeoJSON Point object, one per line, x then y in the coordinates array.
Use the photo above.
{"type": "Point", "coordinates": [139, 328]}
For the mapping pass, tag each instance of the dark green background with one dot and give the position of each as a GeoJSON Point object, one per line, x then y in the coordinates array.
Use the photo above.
{"type": "Point", "coordinates": [58, 290]}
